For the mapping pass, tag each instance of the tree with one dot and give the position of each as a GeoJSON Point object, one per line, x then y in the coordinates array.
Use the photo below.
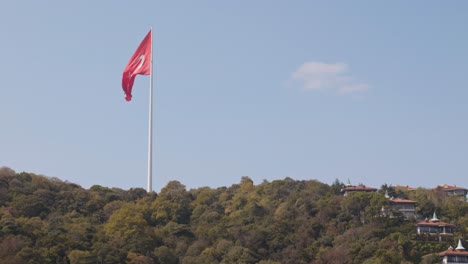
{"type": "Point", "coordinates": [366, 206]}
{"type": "Point", "coordinates": [81, 257]}
{"type": "Point", "coordinates": [172, 204]}
{"type": "Point", "coordinates": [165, 255]}
{"type": "Point", "coordinates": [127, 229]}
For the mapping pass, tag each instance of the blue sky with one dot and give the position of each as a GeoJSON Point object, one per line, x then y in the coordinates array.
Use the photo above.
{"type": "Point", "coordinates": [370, 91]}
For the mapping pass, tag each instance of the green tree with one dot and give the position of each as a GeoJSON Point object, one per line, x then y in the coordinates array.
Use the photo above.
{"type": "Point", "coordinates": [81, 257]}
{"type": "Point", "coordinates": [172, 204]}
{"type": "Point", "coordinates": [128, 230]}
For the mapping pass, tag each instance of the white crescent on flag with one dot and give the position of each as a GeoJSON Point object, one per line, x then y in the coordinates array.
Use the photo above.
{"type": "Point", "coordinates": [142, 60]}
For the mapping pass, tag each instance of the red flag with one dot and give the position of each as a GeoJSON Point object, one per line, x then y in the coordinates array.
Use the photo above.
{"type": "Point", "coordinates": [139, 63]}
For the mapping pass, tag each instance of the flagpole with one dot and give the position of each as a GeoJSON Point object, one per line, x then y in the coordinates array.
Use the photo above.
{"type": "Point", "coordinates": [150, 126]}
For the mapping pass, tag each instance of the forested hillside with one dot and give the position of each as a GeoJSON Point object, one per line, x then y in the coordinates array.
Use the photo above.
{"type": "Point", "coordinates": [46, 220]}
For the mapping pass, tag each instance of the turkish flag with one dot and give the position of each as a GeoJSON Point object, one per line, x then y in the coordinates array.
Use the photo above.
{"type": "Point", "coordinates": [139, 63]}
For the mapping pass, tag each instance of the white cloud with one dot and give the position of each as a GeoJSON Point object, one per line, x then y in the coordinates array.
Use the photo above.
{"type": "Point", "coordinates": [332, 76]}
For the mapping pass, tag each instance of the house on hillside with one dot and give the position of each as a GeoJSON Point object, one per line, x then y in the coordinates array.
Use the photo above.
{"type": "Point", "coordinates": [458, 255]}
{"type": "Point", "coordinates": [406, 207]}
{"type": "Point", "coordinates": [452, 191]}
{"type": "Point", "coordinates": [359, 188]}
{"type": "Point", "coordinates": [435, 230]}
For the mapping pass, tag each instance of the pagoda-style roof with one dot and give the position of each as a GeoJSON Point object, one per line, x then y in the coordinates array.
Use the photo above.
{"type": "Point", "coordinates": [459, 251]}
{"type": "Point", "coordinates": [434, 222]}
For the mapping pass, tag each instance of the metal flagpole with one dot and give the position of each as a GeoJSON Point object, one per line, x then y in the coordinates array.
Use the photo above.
{"type": "Point", "coordinates": [150, 127]}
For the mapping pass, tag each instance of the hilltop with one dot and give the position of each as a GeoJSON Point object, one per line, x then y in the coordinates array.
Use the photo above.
{"type": "Point", "coordinates": [46, 220]}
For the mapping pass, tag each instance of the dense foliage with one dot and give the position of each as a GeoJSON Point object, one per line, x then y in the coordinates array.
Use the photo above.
{"type": "Point", "coordinates": [45, 220]}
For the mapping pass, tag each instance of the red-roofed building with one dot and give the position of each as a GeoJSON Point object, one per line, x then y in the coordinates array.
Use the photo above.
{"type": "Point", "coordinates": [359, 188]}
{"type": "Point", "coordinates": [435, 229]}
{"type": "Point", "coordinates": [454, 256]}
{"type": "Point", "coordinates": [452, 191]}
{"type": "Point", "coordinates": [405, 206]}
{"type": "Point", "coordinates": [404, 188]}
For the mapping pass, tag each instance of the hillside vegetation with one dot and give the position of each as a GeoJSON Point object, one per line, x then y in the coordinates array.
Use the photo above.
{"type": "Point", "coordinates": [46, 220]}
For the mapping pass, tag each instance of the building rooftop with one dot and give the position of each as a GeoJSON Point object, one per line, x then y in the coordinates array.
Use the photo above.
{"type": "Point", "coordinates": [459, 251]}
{"type": "Point", "coordinates": [446, 187]}
{"type": "Point", "coordinates": [399, 200]}
{"type": "Point", "coordinates": [401, 187]}
{"type": "Point", "coordinates": [429, 223]}
{"type": "Point", "coordinates": [434, 222]}
{"type": "Point", "coordinates": [359, 187]}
